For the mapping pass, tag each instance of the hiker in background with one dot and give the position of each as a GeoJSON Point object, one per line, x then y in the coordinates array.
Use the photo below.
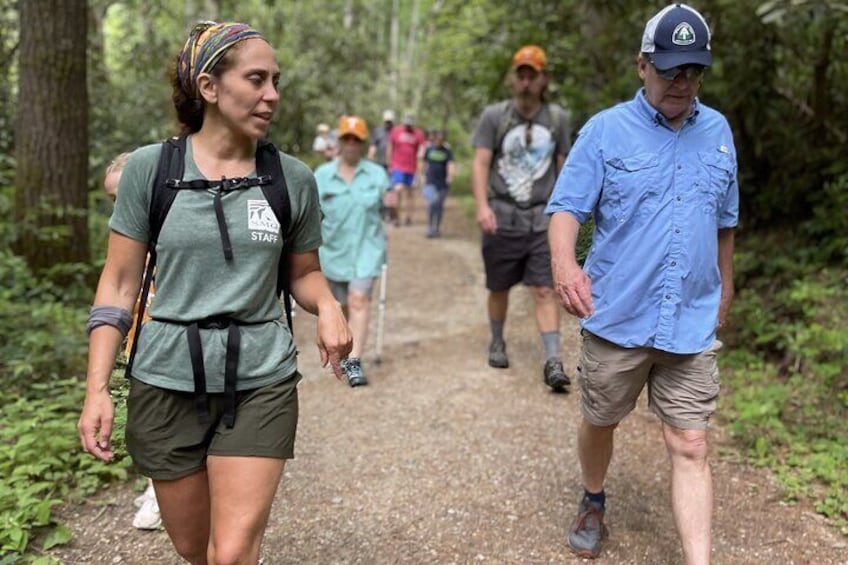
{"type": "Point", "coordinates": [147, 515]}
{"type": "Point", "coordinates": [322, 144]}
{"type": "Point", "coordinates": [380, 140]}
{"type": "Point", "coordinates": [658, 173]}
{"type": "Point", "coordinates": [213, 434]}
{"type": "Point", "coordinates": [439, 170]}
{"type": "Point", "coordinates": [377, 152]}
{"type": "Point", "coordinates": [351, 190]}
{"type": "Point", "coordinates": [519, 146]}
{"type": "Point", "coordinates": [406, 148]}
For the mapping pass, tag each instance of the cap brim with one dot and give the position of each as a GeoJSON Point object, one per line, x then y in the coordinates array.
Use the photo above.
{"type": "Point", "coordinates": [533, 66]}
{"type": "Point", "coordinates": [667, 60]}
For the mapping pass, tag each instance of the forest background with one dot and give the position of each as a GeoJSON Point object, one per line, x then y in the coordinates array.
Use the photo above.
{"type": "Point", "coordinates": [83, 81]}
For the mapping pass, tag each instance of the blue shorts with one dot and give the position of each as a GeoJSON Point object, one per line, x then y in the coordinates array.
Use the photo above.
{"type": "Point", "coordinates": [399, 177]}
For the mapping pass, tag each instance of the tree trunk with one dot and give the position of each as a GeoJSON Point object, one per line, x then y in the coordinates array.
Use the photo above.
{"type": "Point", "coordinates": [394, 54]}
{"type": "Point", "coordinates": [51, 134]}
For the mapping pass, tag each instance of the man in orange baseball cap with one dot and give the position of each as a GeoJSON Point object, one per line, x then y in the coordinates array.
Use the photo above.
{"type": "Point", "coordinates": [519, 146]}
{"type": "Point", "coordinates": [531, 56]}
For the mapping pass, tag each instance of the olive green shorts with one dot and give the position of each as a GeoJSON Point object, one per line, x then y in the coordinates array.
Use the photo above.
{"type": "Point", "coordinates": [167, 441]}
{"type": "Point", "coordinates": [682, 389]}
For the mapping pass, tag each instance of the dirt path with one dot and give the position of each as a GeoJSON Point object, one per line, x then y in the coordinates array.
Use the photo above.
{"type": "Point", "coordinates": [444, 460]}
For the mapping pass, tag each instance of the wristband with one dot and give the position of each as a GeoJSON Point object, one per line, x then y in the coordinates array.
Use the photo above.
{"type": "Point", "coordinates": [118, 318]}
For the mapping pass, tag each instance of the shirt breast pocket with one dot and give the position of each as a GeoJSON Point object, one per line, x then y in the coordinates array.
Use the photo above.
{"type": "Point", "coordinates": [716, 175]}
{"type": "Point", "coordinates": [631, 186]}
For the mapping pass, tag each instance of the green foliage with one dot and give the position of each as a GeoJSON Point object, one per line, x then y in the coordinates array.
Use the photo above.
{"type": "Point", "coordinates": [788, 380]}
{"type": "Point", "coordinates": [42, 324]}
{"type": "Point", "coordinates": [42, 465]}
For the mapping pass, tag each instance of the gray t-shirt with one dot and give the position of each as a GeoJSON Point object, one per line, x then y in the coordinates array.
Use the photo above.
{"type": "Point", "coordinates": [194, 281]}
{"type": "Point", "coordinates": [523, 170]}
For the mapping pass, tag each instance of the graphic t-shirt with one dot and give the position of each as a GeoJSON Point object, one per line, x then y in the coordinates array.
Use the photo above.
{"type": "Point", "coordinates": [405, 147]}
{"type": "Point", "coordinates": [437, 159]}
{"type": "Point", "coordinates": [523, 170]}
{"type": "Point", "coordinates": [194, 281]}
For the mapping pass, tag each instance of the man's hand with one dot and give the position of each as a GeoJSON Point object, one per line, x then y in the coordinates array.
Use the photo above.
{"type": "Point", "coordinates": [574, 289]}
{"type": "Point", "coordinates": [486, 219]}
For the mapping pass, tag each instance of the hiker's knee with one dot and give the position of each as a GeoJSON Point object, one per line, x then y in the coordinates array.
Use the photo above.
{"type": "Point", "coordinates": [686, 444]}
{"type": "Point", "coordinates": [543, 293]}
{"type": "Point", "coordinates": [357, 302]}
{"type": "Point", "coordinates": [192, 550]}
{"type": "Point", "coordinates": [232, 551]}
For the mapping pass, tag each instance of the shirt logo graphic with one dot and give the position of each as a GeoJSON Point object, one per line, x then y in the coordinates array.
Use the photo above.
{"type": "Point", "coordinates": [683, 34]}
{"type": "Point", "coordinates": [261, 217]}
{"type": "Point", "coordinates": [525, 158]}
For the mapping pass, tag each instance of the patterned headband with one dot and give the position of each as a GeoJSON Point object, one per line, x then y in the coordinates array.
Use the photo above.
{"type": "Point", "coordinates": [205, 46]}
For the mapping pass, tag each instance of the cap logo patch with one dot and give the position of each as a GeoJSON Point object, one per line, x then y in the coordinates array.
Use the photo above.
{"type": "Point", "coordinates": [683, 34]}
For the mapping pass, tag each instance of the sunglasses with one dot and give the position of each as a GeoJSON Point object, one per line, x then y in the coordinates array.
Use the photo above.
{"type": "Point", "coordinates": [690, 72]}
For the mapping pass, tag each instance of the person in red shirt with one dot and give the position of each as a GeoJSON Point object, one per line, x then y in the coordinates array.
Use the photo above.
{"type": "Point", "coordinates": [404, 154]}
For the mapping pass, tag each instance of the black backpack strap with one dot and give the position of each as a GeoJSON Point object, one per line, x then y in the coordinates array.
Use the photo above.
{"type": "Point", "coordinates": [506, 120]}
{"type": "Point", "coordinates": [277, 194]}
{"type": "Point", "coordinates": [171, 166]}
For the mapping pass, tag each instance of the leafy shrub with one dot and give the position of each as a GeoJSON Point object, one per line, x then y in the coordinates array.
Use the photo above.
{"type": "Point", "coordinates": [42, 464]}
{"type": "Point", "coordinates": [42, 325]}
{"type": "Point", "coordinates": [787, 377]}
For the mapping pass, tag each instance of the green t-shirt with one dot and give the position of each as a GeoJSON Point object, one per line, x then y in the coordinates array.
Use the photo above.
{"type": "Point", "coordinates": [194, 281]}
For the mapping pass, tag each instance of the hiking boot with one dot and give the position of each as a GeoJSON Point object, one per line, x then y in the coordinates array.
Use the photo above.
{"type": "Point", "coordinates": [587, 530]}
{"type": "Point", "coordinates": [555, 376]}
{"type": "Point", "coordinates": [353, 371]}
{"type": "Point", "coordinates": [497, 355]}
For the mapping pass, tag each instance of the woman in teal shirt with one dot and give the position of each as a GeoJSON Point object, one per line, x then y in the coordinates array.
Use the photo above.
{"type": "Point", "coordinates": [354, 244]}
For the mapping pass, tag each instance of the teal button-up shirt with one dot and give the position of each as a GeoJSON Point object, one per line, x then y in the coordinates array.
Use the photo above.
{"type": "Point", "coordinates": [352, 230]}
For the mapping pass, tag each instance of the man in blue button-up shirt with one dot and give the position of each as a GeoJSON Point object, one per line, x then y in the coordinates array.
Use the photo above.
{"type": "Point", "coordinates": [658, 174]}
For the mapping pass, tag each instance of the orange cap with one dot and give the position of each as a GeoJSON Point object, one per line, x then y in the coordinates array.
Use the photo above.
{"type": "Point", "coordinates": [531, 56]}
{"type": "Point", "coordinates": [353, 125]}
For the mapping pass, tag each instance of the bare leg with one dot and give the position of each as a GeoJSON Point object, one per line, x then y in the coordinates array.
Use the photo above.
{"type": "Point", "coordinates": [359, 313]}
{"type": "Point", "coordinates": [184, 507]}
{"type": "Point", "coordinates": [242, 490]}
{"type": "Point", "coordinates": [410, 203]}
{"type": "Point", "coordinates": [594, 447]}
{"type": "Point", "coordinates": [497, 305]}
{"type": "Point", "coordinates": [547, 309]}
{"type": "Point", "coordinates": [691, 491]}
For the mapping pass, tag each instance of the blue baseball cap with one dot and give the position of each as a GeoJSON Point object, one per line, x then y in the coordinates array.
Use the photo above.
{"type": "Point", "coordinates": [677, 35]}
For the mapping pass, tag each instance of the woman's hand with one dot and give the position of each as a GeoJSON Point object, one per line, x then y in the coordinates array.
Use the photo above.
{"type": "Point", "coordinates": [334, 338]}
{"type": "Point", "coordinates": [95, 424]}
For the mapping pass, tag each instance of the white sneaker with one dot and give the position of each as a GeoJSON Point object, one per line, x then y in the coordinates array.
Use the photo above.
{"type": "Point", "coordinates": [147, 517]}
{"type": "Point", "coordinates": [138, 502]}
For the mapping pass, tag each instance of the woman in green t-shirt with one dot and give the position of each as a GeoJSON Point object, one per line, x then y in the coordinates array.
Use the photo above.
{"type": "Point", "coordinates": [212, 408]}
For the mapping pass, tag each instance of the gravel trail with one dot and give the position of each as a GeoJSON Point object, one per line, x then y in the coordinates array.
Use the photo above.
{"type": "Point", "coordinates": [443, 460]}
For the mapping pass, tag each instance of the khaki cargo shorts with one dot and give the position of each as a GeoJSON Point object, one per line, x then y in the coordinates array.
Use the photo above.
{"type": "Point", "coordinates": [167, 441]}
{"type": "Point", "coordinates": [682, 389]}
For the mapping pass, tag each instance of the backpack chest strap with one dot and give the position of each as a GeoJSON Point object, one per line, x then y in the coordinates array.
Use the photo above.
{"type": "Point", "coordinates": [220, 187]}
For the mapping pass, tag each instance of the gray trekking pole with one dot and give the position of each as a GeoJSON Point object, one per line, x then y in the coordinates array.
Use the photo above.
{"type": "Point", "coordinates": [381, 314]}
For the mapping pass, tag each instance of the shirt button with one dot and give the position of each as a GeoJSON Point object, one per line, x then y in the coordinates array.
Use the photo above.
{"type": "Point", "coordinates": [678, 199]}
{"type": "Point", "coordinates": [679, 167]}
{"type": "Point", "coordinates": [676, 230]}
{"type": "Point", "coordinates": [668, 297]}
{"type": "Point", "coordinates": [674, 263]}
